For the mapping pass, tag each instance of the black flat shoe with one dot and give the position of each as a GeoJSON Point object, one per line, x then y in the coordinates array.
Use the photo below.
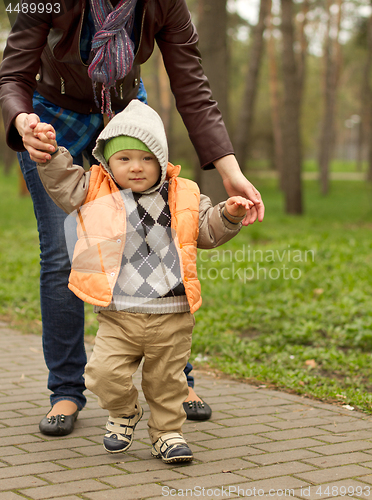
{"type": "Point", "coordinates": [197, 410]}
{"type": "Point", "coordinates": [59, 425]}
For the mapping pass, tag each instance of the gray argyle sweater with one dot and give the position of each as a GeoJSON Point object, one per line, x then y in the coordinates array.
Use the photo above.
{"type": "Point", "coordinates": [150, 278]}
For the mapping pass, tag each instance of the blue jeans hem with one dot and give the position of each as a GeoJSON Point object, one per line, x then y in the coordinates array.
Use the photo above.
{"type": "Point", "coordinates": [53, 401]}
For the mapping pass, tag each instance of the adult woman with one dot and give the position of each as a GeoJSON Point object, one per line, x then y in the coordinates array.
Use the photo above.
{"type": "Point", "coordinates": [69, 65]}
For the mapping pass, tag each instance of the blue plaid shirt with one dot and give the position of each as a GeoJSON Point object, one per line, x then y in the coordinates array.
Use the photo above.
{"type": "Point", "coordinates": [75, 131]}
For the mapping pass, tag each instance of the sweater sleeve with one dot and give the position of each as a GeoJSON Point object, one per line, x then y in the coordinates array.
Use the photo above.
{"type": "Point", "coordinates": [67, 184]}
{"type": "Point", "coordinates": [214, 228]}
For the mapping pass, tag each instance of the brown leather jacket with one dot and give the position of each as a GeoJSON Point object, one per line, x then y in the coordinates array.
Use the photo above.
{"type": "Point", "coordinates": [43, 52]}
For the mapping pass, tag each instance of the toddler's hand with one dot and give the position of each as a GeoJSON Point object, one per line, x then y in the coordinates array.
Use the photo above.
{"type": "Point", "coordinates": [46, 133]}
{"type": "Point", "coordinates": [237, 206]}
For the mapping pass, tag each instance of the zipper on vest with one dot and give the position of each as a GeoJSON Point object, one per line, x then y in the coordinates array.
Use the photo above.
{"type": "Point", "coordinates": [63, 90]}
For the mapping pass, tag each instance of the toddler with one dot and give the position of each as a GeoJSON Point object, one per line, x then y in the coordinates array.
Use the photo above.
{"type": "Point", "coordinates": [138, 227]}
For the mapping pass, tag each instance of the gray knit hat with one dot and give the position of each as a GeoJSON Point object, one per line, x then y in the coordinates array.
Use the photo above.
{"type": "Point", "coordinates": [140, 121]}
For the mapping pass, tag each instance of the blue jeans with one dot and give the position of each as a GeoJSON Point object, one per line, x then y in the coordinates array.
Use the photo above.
{"type": "Point", "coordinates": [190, 378]}
{"type": "Point", "coordinates": [62, 312]}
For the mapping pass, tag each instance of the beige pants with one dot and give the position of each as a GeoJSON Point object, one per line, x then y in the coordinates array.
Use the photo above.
{"type": "Point", "coordinates": [123, 339]}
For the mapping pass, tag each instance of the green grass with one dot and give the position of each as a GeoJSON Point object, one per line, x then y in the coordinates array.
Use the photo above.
{"type": "Point", "coordinates": [19, 256]}
{"type": "Point", "coordinates": [311, 165]}
{"type": "Point", "coordinates": [286, 304]}
{"type": "Point", "coordinates": [335, 166]}
{"type": "Point", "coordinates": [317, 307]}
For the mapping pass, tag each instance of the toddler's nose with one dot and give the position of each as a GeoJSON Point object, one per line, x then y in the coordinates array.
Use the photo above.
{"type": "Point", "coordinates": [136, 166]}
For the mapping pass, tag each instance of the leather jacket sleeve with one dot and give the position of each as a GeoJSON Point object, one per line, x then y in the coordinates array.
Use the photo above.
{"type": "Point", "coordinates": [18, 70]}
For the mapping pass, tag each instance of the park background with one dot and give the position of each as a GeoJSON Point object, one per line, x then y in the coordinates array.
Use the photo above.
{"type": "Point", "coordinates": [287, 303]}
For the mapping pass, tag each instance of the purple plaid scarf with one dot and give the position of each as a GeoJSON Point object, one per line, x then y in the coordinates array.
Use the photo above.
{"type": "Point", "coordinates": [112, 47]}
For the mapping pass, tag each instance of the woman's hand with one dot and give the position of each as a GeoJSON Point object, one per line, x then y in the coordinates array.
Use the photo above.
{"type": "Point", "coordinates": [236, 184]}
{"type": "Point", "coordinates": [39, 151]}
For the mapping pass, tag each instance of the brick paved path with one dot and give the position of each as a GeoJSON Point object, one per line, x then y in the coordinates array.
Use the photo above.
{"type": "Point", "coordinates": [259, 443]}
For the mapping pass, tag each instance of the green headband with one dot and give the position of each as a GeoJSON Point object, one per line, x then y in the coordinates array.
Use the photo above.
{"type": "Point", "coordinates": [123, 142]}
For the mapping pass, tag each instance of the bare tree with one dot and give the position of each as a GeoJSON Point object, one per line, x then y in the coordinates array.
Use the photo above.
{"type": "Point", "coordinates": [332, 64]}
{"type": "Point", "coordinates": [275, 106]}
{"type": "Point", "coordinates": [291, 122]}
{"type": "Point", "coordinates": [212, 29]}
{"type": "Point", "coordinates": [22, 188]}
{"type": "Point", "coordinates": [368, 95]}
{"type": "Point", "coordinates": [243, 135]}
{"type": "Point", "coordinates": [8, 156]}
{"type": "Point", "coordinates": [303, 43]}
{"type": "Point", "coordinates": [164, 98]}
{"type": "Point", "coordinates": [364, 125]}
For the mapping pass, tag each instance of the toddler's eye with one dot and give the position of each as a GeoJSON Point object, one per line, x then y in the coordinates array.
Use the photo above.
{"type": "Point", "coordinates": [124, 158]}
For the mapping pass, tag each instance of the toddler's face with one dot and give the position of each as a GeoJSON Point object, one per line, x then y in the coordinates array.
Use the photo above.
{"type": "Point", "coordinates": [134, 169]}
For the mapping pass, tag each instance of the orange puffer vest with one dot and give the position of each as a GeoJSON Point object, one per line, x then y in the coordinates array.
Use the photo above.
{"type": "Point", "coordinates": [101, 237]}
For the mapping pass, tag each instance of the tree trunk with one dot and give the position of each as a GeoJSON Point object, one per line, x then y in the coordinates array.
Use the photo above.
{"type": "Point", "coordinates": [360, 130]}
{"type": "Point", "coordinates": [166, 102]}
{"type": "Point", "coordinates": [331, 76]}
{"type": "Point", "coordinates": [165, 95]}
{"type": "Point", "coordinates": [303, 49]}
{"type": "Point", "coordinates": [275, 108]}
{"type": "Point", "coordinates": [8, 156]}
{"type": "Point", "coordinates": [291, 122]}
{"type": "Point", "coordinates": [364, 124]}
{"type": "Point", "coordinates": [212, 29]}
{"type": "Point", "coordinates": [243, 135]}
{"type": "Point", "coordinates": [368, 96]}
{"type": "Point", "coordinates": [22, 188]}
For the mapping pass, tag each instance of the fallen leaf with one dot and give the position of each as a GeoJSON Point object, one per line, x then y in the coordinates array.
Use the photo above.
{"type": "Point", "coordinates": [318, 291]}
{"type": "Point", "coordinates": [340, 396]}
{"type": "Point", "coordinates": [301, 382]}
{"type": "Point", "coordinates": [226, 471]}
{"type": "Point", "coordinates": [21, 379]}
{"type": "Point", "coordinates": [348, 407]}
{"type": "Point", "coordinates": [311, 363]}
